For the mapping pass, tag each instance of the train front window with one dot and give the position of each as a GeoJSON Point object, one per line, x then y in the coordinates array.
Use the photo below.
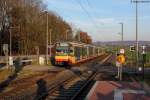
{"type": "Point", "coordinates": [62, 51]}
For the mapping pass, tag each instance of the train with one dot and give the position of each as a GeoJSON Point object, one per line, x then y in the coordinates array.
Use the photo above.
{"type": "Point", "coordinates": [69, 53]}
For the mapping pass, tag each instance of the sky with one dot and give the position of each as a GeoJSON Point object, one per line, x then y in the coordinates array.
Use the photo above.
{"type": "Point", "coordinates": [101, 18]}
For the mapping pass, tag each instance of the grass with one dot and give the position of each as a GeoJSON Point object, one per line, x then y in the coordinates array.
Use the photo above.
{"type": "Point", "coordinates": [131, 56]}
{"type": "Point", "coordinates": [146, 79]}
{"type": "Point", "coordinates": [24, 73]}
{"type": "Point", "coordinates": [4, 73]}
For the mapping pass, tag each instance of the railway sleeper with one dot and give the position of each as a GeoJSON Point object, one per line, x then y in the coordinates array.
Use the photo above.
{"type": "Point", "coordinates": [75, 84]}
{"type": "Point", "coordinates": [70, 90]}
{"type": "Point", "coordinates": [58, 98]}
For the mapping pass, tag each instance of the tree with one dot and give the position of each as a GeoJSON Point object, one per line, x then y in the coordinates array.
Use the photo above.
{"type": "Point", "coordinates": [83, 37]}
{"type": "Point", "coordinates": [27, 22]}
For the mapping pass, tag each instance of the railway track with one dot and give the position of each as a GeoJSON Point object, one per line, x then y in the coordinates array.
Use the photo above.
{"type": "Point", "coordinates": [67, 82]}
{"type": "Point", "coordinates": [74, 88]}
{"type": "Point", "coordinates": [21, 89]}
{"type": "Point", "coordinates": [70, 89]}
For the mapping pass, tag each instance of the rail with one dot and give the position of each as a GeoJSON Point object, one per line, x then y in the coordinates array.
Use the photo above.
{"type": "Point", "coordinates": [84, 86]}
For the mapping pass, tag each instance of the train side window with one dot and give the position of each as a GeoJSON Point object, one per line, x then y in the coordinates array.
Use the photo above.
{"type": "Point", "coordinates": [58, 50]}
{"type": "Point", "coordinates": [71, 51]}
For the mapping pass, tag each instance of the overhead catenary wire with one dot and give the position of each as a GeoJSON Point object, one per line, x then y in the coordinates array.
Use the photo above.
{"type": "Point", "coordinates": [57, 9]}
{"type": "Point", "coordinates": [87, 13]}
{"type": "Point", "coordinates": [89, 3]}
{"type": "Point", "coordinates": [92, 7]}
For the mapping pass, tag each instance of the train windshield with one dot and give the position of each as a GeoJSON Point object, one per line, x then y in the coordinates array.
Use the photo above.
{"type": "Point", "coordinates": [62, 51]}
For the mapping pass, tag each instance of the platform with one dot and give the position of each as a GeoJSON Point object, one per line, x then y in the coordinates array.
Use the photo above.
{"type": "Point", "coordinates": [111, 90]}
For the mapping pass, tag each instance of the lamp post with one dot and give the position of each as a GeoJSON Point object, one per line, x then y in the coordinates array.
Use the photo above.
{"type": "Point", "coordinates": [50, 43]}
{"type": "Point", "coordinates": [137, 44]}
{"type": "Point", "coordinates": [120, 64]}
{"type": "Point", "coordinates": [122, 29]}
{"type": "Point", "coordinates": [144, 59]}
{"type": "Point", "coordinates": [67, 34]}
{"type": "Point", "coordinates": [10, 42]}
{"type": "Point", "coordinates": [47, 32]}
{"type": "Point", "coordinates": [10, 39]}
{"type": "Point", "coordinates": [47, 25]}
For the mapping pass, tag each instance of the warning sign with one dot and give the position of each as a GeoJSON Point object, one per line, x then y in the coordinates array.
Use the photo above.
{"type": "Point", "coordinates": [121, 59]}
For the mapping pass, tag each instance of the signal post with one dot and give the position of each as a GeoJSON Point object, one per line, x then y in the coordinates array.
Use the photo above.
{"type": "Point", "coordinates": [120, 60]}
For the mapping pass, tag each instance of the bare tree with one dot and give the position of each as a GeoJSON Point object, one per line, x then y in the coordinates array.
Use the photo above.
{"type": "Point", "coordinates": [29, 25]}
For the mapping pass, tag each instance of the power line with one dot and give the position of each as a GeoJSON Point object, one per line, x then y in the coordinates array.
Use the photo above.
{"type": "Point", "coordinates": [88, 2]}
{"type": "Point", "coordinates": [92, 7]}
{"type": "Point", "coordinates": [140, 1]}
{"type": "Point", "coordinates": [54, 7]}
{"type": "Point", "coordinates": [87, 13]}
{"type": "Point", "coordinates": [57, 9]}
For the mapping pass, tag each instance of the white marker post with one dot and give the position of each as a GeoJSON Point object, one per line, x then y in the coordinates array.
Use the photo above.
{"type": "Point", "coordinates": [118, 65]}
{"type": "Point", "coordinates": [120, 60]}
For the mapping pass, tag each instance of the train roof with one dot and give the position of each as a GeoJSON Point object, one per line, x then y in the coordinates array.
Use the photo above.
{"type": "Point", "coordinates": [78, 44]}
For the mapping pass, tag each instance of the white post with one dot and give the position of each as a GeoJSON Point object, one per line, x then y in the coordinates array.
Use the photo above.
{"type": "Point", "coordinates": [121, 72]}
{"type": "Point", "coordinates": [47, 38]}
{"type": "Point", "coordinates": [10, 42]}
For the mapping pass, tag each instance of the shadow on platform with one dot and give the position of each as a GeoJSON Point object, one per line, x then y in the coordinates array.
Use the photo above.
{"type": "Point", "coordinates": [2, 65]}
{"type": "Point", "coordinates": [42, 91]}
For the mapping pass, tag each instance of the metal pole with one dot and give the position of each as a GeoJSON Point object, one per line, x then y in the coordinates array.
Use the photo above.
{"type": "Point", "coordinates": [50, 42]}
{"type": "Point", "coordinates": [137, 44]}
{"type": "Point", "coordinates": [79, 37]}
{"type": "Point", "coordinates": [122, 46]}
{"type": "Point", "coordinates": [121, 72]}
{"type": "Point", "coordinates": [143, 66]}
{"type": "Point", "coordinates": [66, 35]}
{"type": "Point", "coordinates": [47, 38]}
{"type": "Point", "coordinates": [121, 31]}
{"type": "Point", "coordinates": [10, 42]}
{"type": "Point", "coordinates": [120, 68]}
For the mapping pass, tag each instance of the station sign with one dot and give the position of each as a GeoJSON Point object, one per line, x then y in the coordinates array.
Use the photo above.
{"type": "Point", "coordinates": [122, 51]}
{"type": "Point", "coordinates": [132, 48]}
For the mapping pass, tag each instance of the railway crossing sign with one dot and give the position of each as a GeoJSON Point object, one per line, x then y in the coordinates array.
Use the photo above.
{"type": "Point", "coordinates": [121, 59]}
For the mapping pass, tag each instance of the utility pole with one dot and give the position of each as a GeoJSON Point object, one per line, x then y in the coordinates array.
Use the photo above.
{"type": "Point", "coordinates": [47, 36]}
{"type": "Point", "coordinates": [137, 44]}
{"type": "Point", "coordinates": [121, 65]}
{"type": "Point", "coordinates": [67, 34]}
{"type": "Point", "coordinates": [10, 39]}
{"type": "Point", "coordinates": [10, 42]}
{"type": "Point", "coordinates": [50, 43]}
{"type": "Point", "coordinates": [122, 29]}
{"type": "Point", "coordinates": [79, 38]}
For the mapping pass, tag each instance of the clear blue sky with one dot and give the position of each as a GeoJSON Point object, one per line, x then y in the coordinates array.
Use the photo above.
{"type": "Point", "coordinates": [104, 16]}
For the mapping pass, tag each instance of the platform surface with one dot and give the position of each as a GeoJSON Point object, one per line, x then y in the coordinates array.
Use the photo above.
{"type": "Point", "coordinates": [111, 90]}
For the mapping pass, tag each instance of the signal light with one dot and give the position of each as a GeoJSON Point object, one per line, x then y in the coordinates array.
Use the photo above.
{"type": "Point", "coordinates": [132, 48]}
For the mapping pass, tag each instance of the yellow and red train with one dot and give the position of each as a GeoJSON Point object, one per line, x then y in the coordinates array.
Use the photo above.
{"type": "Point", "coordinates": [73, 52]}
